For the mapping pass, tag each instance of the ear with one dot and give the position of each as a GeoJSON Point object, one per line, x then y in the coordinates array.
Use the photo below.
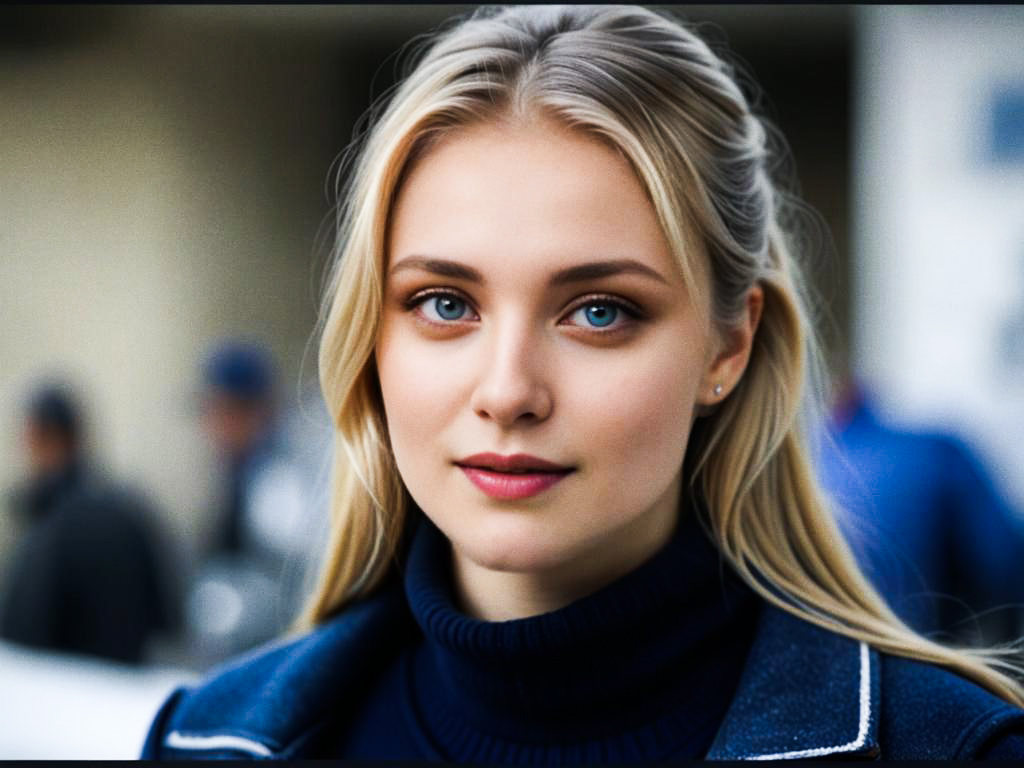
{"type": "Point", "coordinates": [732, 353]}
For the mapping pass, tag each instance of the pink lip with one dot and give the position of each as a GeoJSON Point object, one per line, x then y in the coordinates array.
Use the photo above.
{"type": "Point", "coordinates": [509, 477]}
{"type": "Point", "coordinates": [502, 485]}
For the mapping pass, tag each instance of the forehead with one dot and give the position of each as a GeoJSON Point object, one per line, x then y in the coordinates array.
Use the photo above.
{"type": "Point", "coordinates": [500, 195]}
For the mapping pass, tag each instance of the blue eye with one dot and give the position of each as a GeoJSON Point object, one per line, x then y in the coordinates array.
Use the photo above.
{"type": "Point", "coordinates": [601, 315]}
{"type": "Point", "coordinates": [444, 307]}
{"type": "Point", "coordinates": [596, 314]}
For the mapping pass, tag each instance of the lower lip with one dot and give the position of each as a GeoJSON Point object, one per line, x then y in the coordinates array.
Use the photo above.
{"type": "Point", "coordinates": [503, 485]}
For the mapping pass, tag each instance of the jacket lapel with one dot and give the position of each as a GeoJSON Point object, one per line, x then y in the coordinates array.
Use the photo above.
{"type": "Point", "coordinates": [264, 704]}
{"type": "Point", "coordinates": [805, 693]}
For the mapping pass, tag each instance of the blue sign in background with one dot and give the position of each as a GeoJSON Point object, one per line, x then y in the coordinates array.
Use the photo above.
{"type": "Point", "coordinates": [1006, 127]}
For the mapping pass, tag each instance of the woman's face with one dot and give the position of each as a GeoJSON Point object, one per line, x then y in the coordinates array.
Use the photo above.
{"type": "Point", "coordinates": [533, 307]}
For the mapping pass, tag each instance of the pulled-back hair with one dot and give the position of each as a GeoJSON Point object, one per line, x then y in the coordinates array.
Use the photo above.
{"type": "Point", "coordinates": [654, 91]}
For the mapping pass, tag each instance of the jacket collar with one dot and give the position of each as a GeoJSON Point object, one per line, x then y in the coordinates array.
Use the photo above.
{"type": "Point", "coordinates": [271, 702]}
{"type": "Point", "coordinates": [806, 692]}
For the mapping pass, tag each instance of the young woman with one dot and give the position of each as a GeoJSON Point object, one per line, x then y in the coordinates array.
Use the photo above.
{"type": "Point", "coordinates": [565, 353]}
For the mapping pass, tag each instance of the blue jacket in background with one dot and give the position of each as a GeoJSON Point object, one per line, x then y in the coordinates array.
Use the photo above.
{"type": "Point", "coordinates": [805, 693]}
{"type": "Point", "coordinates": [927, 523]}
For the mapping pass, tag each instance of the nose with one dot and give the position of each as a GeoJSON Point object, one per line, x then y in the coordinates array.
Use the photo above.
{"type": "Point", "coordinates": [512, 388]}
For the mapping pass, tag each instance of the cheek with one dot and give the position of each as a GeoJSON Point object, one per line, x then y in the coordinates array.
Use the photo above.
{"type": "Point", "coordinates": [421, 390]}
{"type": "Point", "coordinates": [638, 411]}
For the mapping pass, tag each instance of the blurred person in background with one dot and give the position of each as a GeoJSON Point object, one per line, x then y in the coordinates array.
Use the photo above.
{"type": "Point", "coordinates": [86, 576]}
{"type": "Point", "coordinates": [249, 587]}
{"type": "Point", "coordinates": [928, 523]}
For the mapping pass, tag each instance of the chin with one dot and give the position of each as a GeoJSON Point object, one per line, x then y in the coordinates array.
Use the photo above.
{"type": "Point", "coordinates": [513, 545]}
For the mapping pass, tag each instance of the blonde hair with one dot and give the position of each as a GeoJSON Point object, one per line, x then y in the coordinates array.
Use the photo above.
{"type": "Point", "coordinates": [649, 87]}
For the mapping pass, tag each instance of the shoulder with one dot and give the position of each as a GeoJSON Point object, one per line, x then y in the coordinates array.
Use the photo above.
{"type": "Point", "coordinates": [928, 712]}
{"type": "Point", "coordinates": [271, 702]}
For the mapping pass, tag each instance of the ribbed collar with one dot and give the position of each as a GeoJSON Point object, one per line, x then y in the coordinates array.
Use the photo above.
{"type": "Point", "coordinates": [643, 668]}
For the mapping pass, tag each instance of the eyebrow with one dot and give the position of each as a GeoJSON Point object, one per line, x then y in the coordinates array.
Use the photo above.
{"type": "Point", "coordinates": [596, 269]}
{"type": "Point", "coordinates": [577, 274]}
{"type": "Point", "coordinates": [441, 267]}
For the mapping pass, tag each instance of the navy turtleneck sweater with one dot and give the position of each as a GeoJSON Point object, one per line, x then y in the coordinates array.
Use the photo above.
{"type": "Point", "coordinates": [643, 669]}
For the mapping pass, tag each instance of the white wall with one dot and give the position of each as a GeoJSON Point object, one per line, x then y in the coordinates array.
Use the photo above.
{"type": "Point", "coordinates": [939, 230]}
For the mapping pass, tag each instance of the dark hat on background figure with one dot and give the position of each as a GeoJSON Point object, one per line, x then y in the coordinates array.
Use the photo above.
{"type": "Point", "coordinates": [52, 406]}
{"type": "Point", "coordinates": [243, 369]}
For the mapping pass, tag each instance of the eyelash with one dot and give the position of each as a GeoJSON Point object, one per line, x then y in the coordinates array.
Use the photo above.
{"type": "Point", "coordinates": [632, 312]}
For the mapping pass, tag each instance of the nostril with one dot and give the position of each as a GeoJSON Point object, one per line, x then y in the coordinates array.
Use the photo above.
{"type": "Point", "coordinates": [528, 416]}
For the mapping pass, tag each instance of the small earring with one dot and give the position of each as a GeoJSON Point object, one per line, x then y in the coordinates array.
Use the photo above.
{"type": "Point", "coordinates": [718, 389]}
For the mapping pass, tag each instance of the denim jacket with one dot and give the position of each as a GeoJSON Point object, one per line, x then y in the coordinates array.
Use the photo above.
{"type": "Point", "coordinates": [805, 693]}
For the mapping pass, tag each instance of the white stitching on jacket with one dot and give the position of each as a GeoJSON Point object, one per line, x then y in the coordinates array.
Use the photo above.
{"type": "Point", "coordinates": [179, 740]}
{"type": "Point", "coordinates": [862, 730]}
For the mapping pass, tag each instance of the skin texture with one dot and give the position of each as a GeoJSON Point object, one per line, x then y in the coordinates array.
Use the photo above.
{"type": "Point", "coordinates": [523, 369]}
{"type": "Point", "coordinates": [233, 424]}
{"type": "Point", "coordinates": [48, 450]}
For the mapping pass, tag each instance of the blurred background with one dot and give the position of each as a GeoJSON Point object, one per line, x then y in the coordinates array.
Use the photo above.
{"type": "Point", "coordinates": [164, 184]}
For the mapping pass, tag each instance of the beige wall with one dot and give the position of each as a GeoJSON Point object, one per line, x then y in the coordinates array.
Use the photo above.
{"type": "Point", "coordinates": [161, 184]}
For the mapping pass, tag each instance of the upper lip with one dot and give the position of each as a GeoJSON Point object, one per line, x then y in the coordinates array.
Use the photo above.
{"type": "Point", "coordinates": [518, 462]}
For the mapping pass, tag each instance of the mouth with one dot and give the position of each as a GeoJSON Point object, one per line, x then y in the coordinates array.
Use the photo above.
{"type": "Point", "coordinates": [512, 477]}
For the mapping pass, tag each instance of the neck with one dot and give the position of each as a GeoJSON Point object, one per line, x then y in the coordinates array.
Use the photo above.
{"type": "Point", "coordinates": [493, 595]}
